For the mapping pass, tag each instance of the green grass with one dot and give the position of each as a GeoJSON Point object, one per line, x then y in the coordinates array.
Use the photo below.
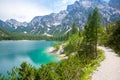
{"type": "Point", "coordinates": [88, 70]}
{"type": "Point", "coordinates": [56, 45]}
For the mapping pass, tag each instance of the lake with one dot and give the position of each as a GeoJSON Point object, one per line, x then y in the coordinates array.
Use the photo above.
{"type": "Point", "coordinates": [13, 53]}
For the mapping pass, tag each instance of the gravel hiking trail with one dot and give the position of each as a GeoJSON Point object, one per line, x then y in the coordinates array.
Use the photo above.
{"type": "Point", "coordinates": [109, 69]}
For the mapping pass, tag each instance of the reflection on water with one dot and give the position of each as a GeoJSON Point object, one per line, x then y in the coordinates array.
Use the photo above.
{"type": "Point", "coordinates": [13, 53]}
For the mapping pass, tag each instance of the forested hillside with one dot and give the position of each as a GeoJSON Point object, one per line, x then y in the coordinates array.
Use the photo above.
{"type": "Point", "coordinates": [4, 35]}
{"type": "Point", "coordinates": [113, 31]}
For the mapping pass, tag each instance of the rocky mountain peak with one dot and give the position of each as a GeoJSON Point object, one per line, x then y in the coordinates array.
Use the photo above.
{"type": "Point", "coordinates": [14, 23]}
{"type": "Point", "coordinates": [115, 4]}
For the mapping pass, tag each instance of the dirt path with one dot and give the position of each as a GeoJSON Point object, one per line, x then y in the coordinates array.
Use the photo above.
{"type": "Point", "coordinates": [110, 67]}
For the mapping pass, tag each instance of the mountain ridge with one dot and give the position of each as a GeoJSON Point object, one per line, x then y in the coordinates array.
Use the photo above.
{"type": "Point", "coordinates": [60, 23]}
{"type": "Point", "coordinates": [115, 4]}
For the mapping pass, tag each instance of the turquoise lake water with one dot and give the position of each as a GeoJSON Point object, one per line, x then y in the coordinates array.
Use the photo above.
{"type": "Point", "coordinates": [13, 53]}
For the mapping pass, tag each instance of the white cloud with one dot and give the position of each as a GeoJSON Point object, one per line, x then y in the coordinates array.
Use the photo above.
{"type": "Point", "coordinates": [62, 4]}
{"type": "Point", "coordinates": [25, 10]}
{"type": "Point", "coordinates": [68, 1]}
{"type": "Point", "coordinates": [65, 1]}
{"type": "Point", "coordinates": [22, 11]}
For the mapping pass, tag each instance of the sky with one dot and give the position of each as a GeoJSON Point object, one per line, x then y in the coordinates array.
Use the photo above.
{"type": "Point", "coordinates": [25, 10]}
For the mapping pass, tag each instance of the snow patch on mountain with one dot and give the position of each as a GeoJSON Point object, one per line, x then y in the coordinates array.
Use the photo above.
{"type": "Point", "coordinates": [68, 30]}
{"type": "Point", "coordinates": [46, 34]}
{"type": "Point", "coordinates": [56, 24]}
{"type": "Point", "coordinates": [25, 32]}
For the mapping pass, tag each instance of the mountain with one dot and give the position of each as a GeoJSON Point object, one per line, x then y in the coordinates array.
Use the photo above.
{"type": "Point", "coordinates": [18, 27]}
{"type": "Point", "coordinates": [47, 24]}
{"type": "Point", "coordinates": [60, 23]}
{"type": "Point", "coordinates": [15, 24]}
{"type": "Point", "coordinates": [115, 4]}
{"type": "Point", "coordinates": [5, 26]}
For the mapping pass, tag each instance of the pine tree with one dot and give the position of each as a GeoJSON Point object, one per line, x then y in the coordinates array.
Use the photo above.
{"type": "Point", "coordinates": [74, 29]}
{"type": "Point", "coordinates": [91, 32]}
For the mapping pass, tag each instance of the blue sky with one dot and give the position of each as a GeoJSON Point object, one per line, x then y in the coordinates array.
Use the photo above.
{"type": "Point", "coordinates": [25, 10]}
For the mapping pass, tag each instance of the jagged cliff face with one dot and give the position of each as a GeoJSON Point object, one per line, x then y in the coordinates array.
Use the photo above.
{"type": "Point", "coordinates": [115, 4]}
{"type": "Point", "coordinates": [60, 23]}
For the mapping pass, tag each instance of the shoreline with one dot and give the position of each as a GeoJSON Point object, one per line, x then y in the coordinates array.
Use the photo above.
{"type": "Point", "coordinates": [52, 50]}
